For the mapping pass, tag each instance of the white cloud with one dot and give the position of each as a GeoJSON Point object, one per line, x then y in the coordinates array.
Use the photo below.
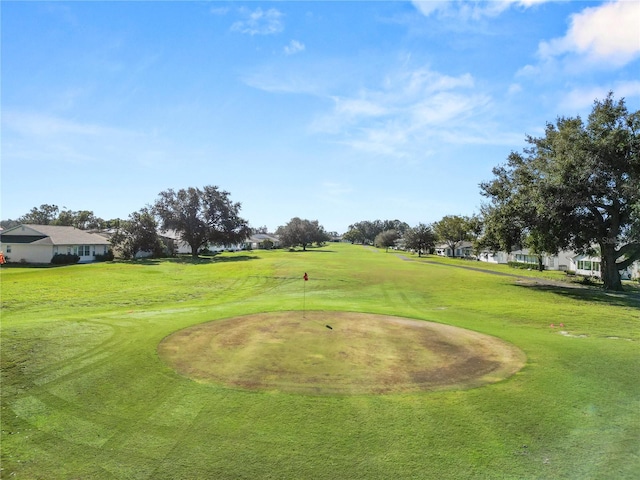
{"type": "Point", "coordinates": [471, 9]}
{"type": "Point", "coordinates": [410, 110]}
{"type": "Point", "coordinates": [294, 47]}
{"type": "Point", "coordinates": [41, 125]}
{"type": "Point", "coordinates": [358, 107]}
{"type": "Point", "coordinates": [581, 99]}
{"type": "Point", "coordinates": [219, 10]}
{"type": "Point", "coordinates": [514, 89]}
{"type": "Point", "coordinates": [259, 22]}
{"type": "Point", "coordinates": [606, 34]}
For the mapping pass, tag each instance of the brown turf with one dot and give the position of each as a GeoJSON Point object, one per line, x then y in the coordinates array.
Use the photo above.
{"type": "Point", "coordinates": [362, 354]}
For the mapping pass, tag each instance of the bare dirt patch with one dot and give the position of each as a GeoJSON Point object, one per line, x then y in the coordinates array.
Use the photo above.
{"type": "Point", "coordinates": [361, 354]}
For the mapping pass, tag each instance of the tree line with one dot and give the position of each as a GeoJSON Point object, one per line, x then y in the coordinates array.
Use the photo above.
{"type": "Point", "coordinates": [576, 187]}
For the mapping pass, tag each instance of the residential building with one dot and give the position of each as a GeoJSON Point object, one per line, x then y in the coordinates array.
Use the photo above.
{"type": "Point", "coordinates": [39, 243]}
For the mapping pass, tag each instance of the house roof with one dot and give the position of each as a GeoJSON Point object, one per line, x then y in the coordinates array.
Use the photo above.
{"type": "Point", "coordinates": [259, 237]}
{"type": "Point", "coordinates": [463, 244]}
{"type": "Point", "coordinates": [51, 235]}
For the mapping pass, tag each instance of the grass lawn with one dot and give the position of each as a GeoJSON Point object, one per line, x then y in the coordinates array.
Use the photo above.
{"type": "Point", "coordinates": [86, 395]}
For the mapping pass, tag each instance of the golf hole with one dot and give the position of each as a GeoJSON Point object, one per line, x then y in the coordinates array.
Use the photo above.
{"type": "Point", "coordinates": [361, 353]}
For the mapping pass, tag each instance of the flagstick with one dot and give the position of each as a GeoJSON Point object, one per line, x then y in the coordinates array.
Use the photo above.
{"type": "Point", "coordinates": [304, 299]}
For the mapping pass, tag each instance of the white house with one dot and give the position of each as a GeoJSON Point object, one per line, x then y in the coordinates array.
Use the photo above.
{"type": "Point", "coordinates": [39, 243]}
{"type": "Point", "coordinates": [564, 260]}
{"type": "Point", "coordinates": [181, 247]}
{"type": "Point", "coordinates": [463, 249]}
{"type": "Point", "coordinates": [258, 240]}
{"type": "Point", "coordinates": [590, 267]}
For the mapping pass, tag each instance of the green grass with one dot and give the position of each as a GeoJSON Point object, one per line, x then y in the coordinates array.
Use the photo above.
{"type": "Point", "coordinates": [85, 395]}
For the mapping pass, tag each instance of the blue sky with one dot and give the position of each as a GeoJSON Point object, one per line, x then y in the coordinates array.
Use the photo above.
{"type": "Point", "coordinates": [331, 111]}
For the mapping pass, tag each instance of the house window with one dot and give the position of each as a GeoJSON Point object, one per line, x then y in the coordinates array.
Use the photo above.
{"type": "Point", "coordinates": [588, 265]}
{"type": "Point", "coordinates": [8, 248]}
{"type": "Point", "coordinates": [84, 250]}
{"type": "Point", "coordinates": [532, 259]}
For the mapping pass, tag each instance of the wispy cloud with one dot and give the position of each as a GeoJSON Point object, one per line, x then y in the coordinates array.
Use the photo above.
{"type": "Point", "coordinates": [259, 22]}
{"type": "Point", "coordinates": [407, 113]}
{"type": "Point", "coordinates": [607, 34]}
{"type": "Point", "coordinates": [293, 47]}
{"type": "Point", "coordinates": [219, 10]}
{"type": "Point", "coordinates": [48, 139]}
{"type": "Point", "coordinates": [41, 125]}
{"type": "Point", "coordinates": [581, 99]}
{"type": "Point", "coordinates": [471, 9]}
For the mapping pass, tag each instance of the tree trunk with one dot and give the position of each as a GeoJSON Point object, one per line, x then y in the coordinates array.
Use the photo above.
{"type": "Point", "coordinates": [609, 269]}
{"type": "Point", "coordinates": [540, 264]}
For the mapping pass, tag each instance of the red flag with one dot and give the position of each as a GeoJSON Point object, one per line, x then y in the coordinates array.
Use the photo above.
{"type": "Point", "coordinates": [306, 277]}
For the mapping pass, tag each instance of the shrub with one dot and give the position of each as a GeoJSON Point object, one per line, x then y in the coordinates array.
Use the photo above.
{"type": "Point", "coordinates": [105, 257]}
{"type": "Point", "coordinates": [522, 266]}
{"type": "Point", "coordinates": [65, 259]}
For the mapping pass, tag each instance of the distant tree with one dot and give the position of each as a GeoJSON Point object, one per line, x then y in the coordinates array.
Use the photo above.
{"type": "Point", "coordinates": [6, 224]}
{"type": "Point", "coordinates": [366, 231]}
{"type": "Point", "coordinates": [44, 215]}
{"type": "Point", "coordinates": [262, 229]}
{"type": "Point", "coordinates": [396, 225]}
{"type": "Point", "coordinates": [353, 235]}
{"type": "Point", "coordinates": [266, 244]}
{"type": "Point", "coordinates": [82, 219]}
{"type": "Point", "coordinates": [577, 187]}
{"type": "Point", "coordinates": [420, 238]}
{"type": "Point", "coordinates": [453, 230]}
{"type": "Point", "coordinates": [301, 232]}
{"type": "Point", "coordinates": [201, 216]}
{"type": "Point", "coordinates": [386, 239]}
{"type": "Point", "coordinates": [138, 234]}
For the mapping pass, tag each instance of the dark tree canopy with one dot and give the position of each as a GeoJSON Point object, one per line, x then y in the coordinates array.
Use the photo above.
{"type": "Point", "coordinates": [420, 238]}
{"type": "Point", "coordinates": [366, 231]}
{"type": "Point", "coordinates": [386, 239]}
{"type": "Point", "coordinates": [301, 232]}
{"type": "Point", "coordinates": [138, 234]}
{"type": "Point", "coordinates": [576, 187]}
{"type": "Point", "coordinates": [453, 230]}
{"type": "Point", "coordinates": [44, 215]}
{"type": "Point", "coordinates": [201, 216]}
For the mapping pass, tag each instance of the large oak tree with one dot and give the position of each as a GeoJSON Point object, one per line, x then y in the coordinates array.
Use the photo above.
{"type": "Point", "coordinates": [453, 230]}
{"type": "Point", "coordinates": [576, 187]}
{"type": "Point", "coordinates": [420, 238]}
{"type": "Point", "coordinates": [301, 232]}
{"type": "Point", "coordinates": [201, 216]}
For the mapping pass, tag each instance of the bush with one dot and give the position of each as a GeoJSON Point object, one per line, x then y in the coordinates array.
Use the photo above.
{"type": "Point", "coordinates": [522, 266]}
{"type": "Point", "coordinates": [106, 257]}
{"type": "Point", "coordinates": [65, 259]}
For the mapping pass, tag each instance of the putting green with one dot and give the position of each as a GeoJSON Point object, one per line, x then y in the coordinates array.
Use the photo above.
{"type": "Point", "coordinates": [360, 354]}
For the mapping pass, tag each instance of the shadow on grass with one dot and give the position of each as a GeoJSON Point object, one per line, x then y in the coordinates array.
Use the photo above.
{"type": "Point", "coordinates": [620, 299]}
{"type": "Point", "coordinates": [200, 260]}
{"type": "Point", "coordinates": [310, 250]}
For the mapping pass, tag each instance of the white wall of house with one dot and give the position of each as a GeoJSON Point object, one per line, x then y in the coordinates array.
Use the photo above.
{"type": "Point", "coordinates": [590, 267]}
{"type": "Point", "coordinates": [561, 261]}
{"type": "Point", "coordinates": [586, 265]}
{"type": "Point", "coordinates": [30, 253]}
{"type": "Point", "coordinates": [463, 249]}
{"type": "Point", "coordinates": [24, 252]}
{"type": "Point", "coordinates": [493, 257]}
